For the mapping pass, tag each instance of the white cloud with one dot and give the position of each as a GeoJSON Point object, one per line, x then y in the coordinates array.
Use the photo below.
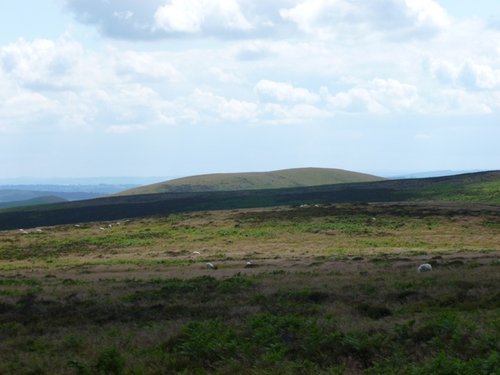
{"type": "Point", "coordinates": [377, 96]}
{"type": "Point", "coordinates": [444, 71]}
{"type": "Point", "coordinates": [254, 50]}
{"type": "Point", "coordinates": [59, 84]}
{"type": "Point", "coordinates": [462, 102]}
{"type": "Point", "coordinates": [26, 112]}
{"type": "Point", "coordinates": [284, 92]}
{"type": "Point", "coordinates": [42, 63]}
{"type": "Point", "coordinates": [273, 79]}
{"type": "Point", "coordinates": [428, 14]}
{"type": "Point", "coordinates": [228, 109]}
{"type": "Point", "coordinates": [354, 19]}
{"type": "Point", "coordinates": [481, 76]}
{"type": "Point", "coordinates": [343, 19]}
{"type": "Point", "coordinates": [193, 16]}
{"type": "Point", "coordinates": [145, 65]}
{"type": "Point", "coordinates": [120, 19]}
{"type": "Point", "coordinates": [300, 112]}
{"type": "Point", "coordinates": [226, 76]}
{"type": "Point", "coordinates": [471, 75]}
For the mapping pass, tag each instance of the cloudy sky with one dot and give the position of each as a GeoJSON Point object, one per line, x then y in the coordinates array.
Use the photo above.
{"type": "Point", "coordinates": [180, 87]}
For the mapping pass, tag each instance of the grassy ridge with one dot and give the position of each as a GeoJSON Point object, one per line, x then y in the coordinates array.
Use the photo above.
{"type": "Point", "coordinates": [481, 187]}
{"type": "Point", "coordinates": [255, 180]}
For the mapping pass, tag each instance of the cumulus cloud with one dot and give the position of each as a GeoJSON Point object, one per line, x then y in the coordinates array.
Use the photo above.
{"type": "Point", "coordinates": [377, 96]}
{"type": "Point", "coordinates": [42, 63]}
{"type": "Point", "coordinates": [284, 92]}
{"type": "Point", "coordinates": [155, 19]}
{"type": "Point", "coordinates": [150, 19]}
{"type": "Point", "coordinates": [279, 113]}
{"type": "Point", "coordinates": [145, 66]}
{"type": "Point", "coordinates": [394, 19]}
{"type": "Point", "coordinates": [193, 16]}
{"type": "Point", "coordinates": [118, 88]}
{"type": "Point", "coordinates": [253, 51]}
{"type": "Point", "coordinates": [226, 76]}
{"type": "Point", "coordinates": [460, 101]}
{"type": "Point", "coordinates": [27, 108]}
{"type": "Point", "coordinates": [470, 74]}
{"type": "Point", "coordinates": [121, 19]}
{"type": "Point", "coordinates": [58, 83]}
{"type": "Point", "coordinates": [479, 76]}
{"type": "Point", "coordinates": [209, 103]}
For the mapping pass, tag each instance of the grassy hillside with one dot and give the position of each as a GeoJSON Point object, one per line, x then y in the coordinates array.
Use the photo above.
{"type": "Point", "coordinates": [332, 289]}
{"type": "Point", "coordinates": [475, 188]}
{"type": "Point", "coordinates": [475, 191]}
{"type": "Point", "coordinates": [255, 180]}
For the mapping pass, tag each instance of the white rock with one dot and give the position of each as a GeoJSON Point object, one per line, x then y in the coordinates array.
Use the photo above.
{"type": "Point", "coordinates": [211, 266]}
{"type": "Point", "coordinates": [196, 253]}
{"type": "Point", "coordinates": [426, 267]}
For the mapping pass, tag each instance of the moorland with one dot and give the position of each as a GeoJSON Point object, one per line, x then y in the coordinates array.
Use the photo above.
{"type": "Point", "coordinates": [311, 285]}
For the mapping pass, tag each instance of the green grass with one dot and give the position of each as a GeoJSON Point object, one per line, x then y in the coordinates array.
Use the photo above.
{"type": "Point", "coordinates": [333, 290]}
{"type": "Point", "coordinates": [275, 323]}
{"type": "Point", "coordinates": [486, 192]}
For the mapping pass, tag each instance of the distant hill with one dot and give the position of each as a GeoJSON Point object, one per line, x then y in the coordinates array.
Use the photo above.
{"type": "Point", "coordinates": [468, 190]}
{"type": "Point", "coordinates": [428, 174]}
{"type": "Point", "coordinates": [48, 199]}
{"type": "Point", "coordinates": [286, 178]}
{"type": "Point", "coordinates": [12, 194]}
{"type": "Point", "coordinates": [15, 193]}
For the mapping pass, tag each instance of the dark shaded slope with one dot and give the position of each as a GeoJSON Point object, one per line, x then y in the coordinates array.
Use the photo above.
{"type": "Point", "coordinates": [114, 208]}
{"type": "Point", "coordinates": [33, 202]}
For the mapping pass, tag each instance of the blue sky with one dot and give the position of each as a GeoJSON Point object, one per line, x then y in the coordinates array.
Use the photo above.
{"type": "Point", "coordinates": [180, 87]}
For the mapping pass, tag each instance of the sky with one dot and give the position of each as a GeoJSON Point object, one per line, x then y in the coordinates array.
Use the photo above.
{"type": "Point", "coordinates": [182, 87]}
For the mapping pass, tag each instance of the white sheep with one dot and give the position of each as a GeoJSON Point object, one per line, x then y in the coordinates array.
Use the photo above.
{"type": "Point", "coordinates": [426, 267]}
{"type": "Point", "coordinates": [211, 266]}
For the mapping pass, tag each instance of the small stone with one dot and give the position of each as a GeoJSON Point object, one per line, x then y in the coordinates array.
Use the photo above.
{"type": "Point", "coordinates": [426, 267]}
